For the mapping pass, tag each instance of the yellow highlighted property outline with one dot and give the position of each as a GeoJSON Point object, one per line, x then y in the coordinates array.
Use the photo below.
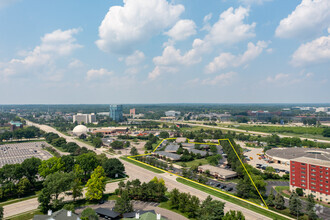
{"type": "Point", "coordinates": [131, 157]}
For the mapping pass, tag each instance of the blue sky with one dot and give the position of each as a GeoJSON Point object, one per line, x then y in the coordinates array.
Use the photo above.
{"type": "Point", "coordinates": [158, 51]}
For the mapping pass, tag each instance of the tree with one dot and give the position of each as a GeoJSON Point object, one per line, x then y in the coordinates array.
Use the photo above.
{"type": "Point", "coordinates": [97, 142]}
{"type": "Point", "coordinates": [193, 207]}
{"type": "Point", "coordinates": [50, 166]}
{"type": "Point", "coordinates": [68, 161]}
{"type": "Point", "coordinates": [279, 201]}
{"type": "Point", "coordinates": [174, 198]}
{"type": "Point", "coordinates": [310, 208]}
{"type": "Point", "coordinates": [164, 134]}
{"type": "Point", "coordinates": [69, 207]}
{"type": "Point", "coordinates": [234, 215]}
{"type": "Point", "coordinates": [211, 209]}
{"type": "Point", "coordinates": [134, 151]}
{"type": "Point", "coordinates": [89, 214]}
{"type": "Point", "coordinates": [87, 162]}
{"type": "Point", "coordinates": [117, 145]}
{"type": "Point", "coordinates": [299, 191]}
{"type": "Point", "coordinates": [54, 185]}
{"type": "Point", "coordinates": [112, 167]}
{"type": "Point", "coordinates": [295, 204]}
{"type": "Point", "coordinates": [77, 187]}
{"type": "Point", "coordinates": [30, 167]}
{"type": "Point", "coordinates": [326, 132]}
{"type": "Point", "coordinates": [270, 200]}
{"type": "Point", "coordinates": [123, 203]}
{"type": "Point", "coordinates": [96, 184]}
{"type": "Point", "coordinates": [23, 186]}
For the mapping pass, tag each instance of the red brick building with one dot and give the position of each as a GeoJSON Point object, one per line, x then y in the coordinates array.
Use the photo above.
{"type": "Point", "coordinates": [312, 175]}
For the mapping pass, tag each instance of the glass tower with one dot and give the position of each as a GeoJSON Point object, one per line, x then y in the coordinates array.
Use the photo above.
{"type": "Point", "coordinates": [116, 112]}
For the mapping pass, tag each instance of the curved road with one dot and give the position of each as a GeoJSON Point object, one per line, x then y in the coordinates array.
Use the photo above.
{"type": "Point", "coordinates": [134, 172]}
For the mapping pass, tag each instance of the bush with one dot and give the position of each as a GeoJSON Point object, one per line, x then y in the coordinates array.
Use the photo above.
{"type": "Point", "coordinates": [299, 191]}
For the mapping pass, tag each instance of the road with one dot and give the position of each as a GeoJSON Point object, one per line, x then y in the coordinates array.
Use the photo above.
{"type": "Point", "coordinates": [134, 172]}
{"type": "Point", "coordinates": [238, 130]}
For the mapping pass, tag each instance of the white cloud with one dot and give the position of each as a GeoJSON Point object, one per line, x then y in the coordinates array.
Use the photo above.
{"type": "Point", "coordinates": [75, 63]}
{"type": "Point", "coordinates": [182, 30]}
{"type": "Point", "coordinates": [171, 60]}
{"type": "Point", "coordinates": [207, 26]}
{"type": "Point", "coordinates": [284, 79]}
{"type": "Point", "coordinates": [136, 58]}
{"type": "Point", "coordinates": [97, 73]}
{"type": "Point", "coordinates": [225, 60]}
{"type": "Point", "coordinates": [137, 21]}
{"type": "Point", "coordinates": [281, 77]}
{"type": "Point", "coordinates": [41, 59]}
{"type": "Point", "coordinates": [222, 79]}
{"type": "Point", "coordinates": [230, 27]}
{"type": "Point", "coordinates": [309, 18]}
{"type": "Point", "coordinates": [316, 51]}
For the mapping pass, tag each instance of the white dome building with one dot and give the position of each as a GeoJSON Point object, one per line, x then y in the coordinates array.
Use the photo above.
{"type": "Point", "coordinates": [80, 129]}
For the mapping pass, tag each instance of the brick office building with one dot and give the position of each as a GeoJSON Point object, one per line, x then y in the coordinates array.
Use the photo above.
{"type": "Point", "coordinates": [312, 175]}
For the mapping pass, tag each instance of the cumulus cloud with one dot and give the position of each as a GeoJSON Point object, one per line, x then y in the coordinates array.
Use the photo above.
{"type": "Point", "coordinates": [137, 21]}
{"type": "Point", "coordinates": [225, 60]}
{"type": "Point", "coordinates": [53, 46]}
{"type": "Point", "coordinates": [97, 73]}
{"type": "Point", "coordinates": [316, 51]}
{"type": "Point", "coordinates": [171, 59]}
{"type": "Point", "coordinates": [182, 30]}
{"type": "Point", "coordinates": [309, 18]}
{"type": "Point", "coordinates": [229, 29]}
{"type": "Point", "coordinates": [134, 59]}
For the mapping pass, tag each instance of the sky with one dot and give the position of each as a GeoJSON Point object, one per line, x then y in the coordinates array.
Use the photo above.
{"type": "Point", "coordinates": [158, 51]}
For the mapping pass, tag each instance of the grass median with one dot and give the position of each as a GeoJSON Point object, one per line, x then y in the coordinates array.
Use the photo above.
{"type": "Point", "coordinates": [232, 199]}
{"type": "Point", "coordinates": [142, 165]}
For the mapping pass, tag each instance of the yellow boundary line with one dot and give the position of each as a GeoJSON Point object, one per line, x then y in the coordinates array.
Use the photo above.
{"type": "Point", "coordinates": [244, 200]}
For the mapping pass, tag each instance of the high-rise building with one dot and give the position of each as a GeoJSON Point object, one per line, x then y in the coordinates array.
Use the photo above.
{"type": "Point", "coordinates": [116, 112]}
{"type": "Point", "coordinates": [86, 118]}
{"type": "Point", "coordinates": [312, 175]}
{"type": "Point", "coordinates": [132, 112]}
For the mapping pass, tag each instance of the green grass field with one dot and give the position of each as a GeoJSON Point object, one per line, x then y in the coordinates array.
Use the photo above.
{"type": "Point", "coordinates": [231, 199]}
{"type": "Point", "coordinates": [308, 132]}
{"type": "Point", "coordinates": [196, 162]}
{"type": "Point", "coordinates": [142, 165]}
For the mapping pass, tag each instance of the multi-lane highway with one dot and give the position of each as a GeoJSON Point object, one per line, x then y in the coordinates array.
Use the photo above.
{"type": "Point", "coordinates": [134, 172]}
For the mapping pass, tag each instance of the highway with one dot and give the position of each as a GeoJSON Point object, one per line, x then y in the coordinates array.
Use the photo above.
{"type": "Point", "coordinates": [134, 172]}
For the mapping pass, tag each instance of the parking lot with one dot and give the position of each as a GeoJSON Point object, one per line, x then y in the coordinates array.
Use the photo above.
{"type": "Point", "coordinates": [228, 187]}
{"type": "Point", "coordinates": [18, 152]}
{"type": "Point", "coordinates": [254, 158]}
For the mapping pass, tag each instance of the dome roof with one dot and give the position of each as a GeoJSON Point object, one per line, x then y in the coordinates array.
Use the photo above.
{"type": "Point", "coordinates": [80, 129]}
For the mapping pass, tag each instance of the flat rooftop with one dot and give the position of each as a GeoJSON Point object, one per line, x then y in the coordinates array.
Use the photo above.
{"type": "Point", "coordinates": [295, 152]}
{"type": "Point", "coordinates": [313, 161]}
{"type": "Point", "coordinates": [218, 170]}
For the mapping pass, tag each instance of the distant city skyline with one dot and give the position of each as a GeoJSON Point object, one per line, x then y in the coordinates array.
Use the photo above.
{"type": "Point", "coordinates": [158, 51]}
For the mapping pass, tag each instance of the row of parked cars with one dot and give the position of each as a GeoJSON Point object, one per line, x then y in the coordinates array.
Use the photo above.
{"type": "Point", "coordinates": [221, 186]}
{"type": "Point", "coordinates": [264, 166]}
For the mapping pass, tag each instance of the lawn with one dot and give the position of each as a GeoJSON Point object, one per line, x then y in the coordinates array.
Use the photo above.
{"type": "Point", "coordinates": [280, 189]}
{"type": "Point", "coordinates": [25, 216]}
{"type": "Point", "coordinates": [166, 205]}
{"type": "Point", "coordinates": [231, 199]}
{"type": "Point", "coordinates": [142, 165]}
{"type": "Point", "coordinates": [196, 162]}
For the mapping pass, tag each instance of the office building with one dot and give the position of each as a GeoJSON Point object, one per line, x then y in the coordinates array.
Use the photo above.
{"type": "Point", "coordinates": [116, 112]}
{"type": "Point", "coordinates": [172, 113]}
{"type": "Point", "coordinates": [15, 125]}
{"type": "Point", "coordinates": [312, 176]}
{"type": "Point", "coordinates": [84, 118]}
